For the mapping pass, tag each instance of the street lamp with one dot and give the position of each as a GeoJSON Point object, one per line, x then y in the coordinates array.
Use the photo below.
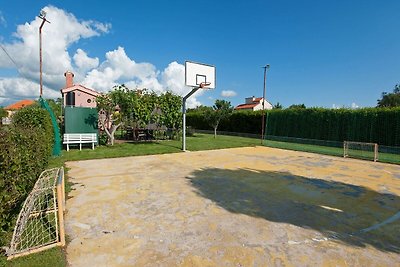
{"type": "Point", "coordinates": [42, 15]}
{"type": "Point", "coordinates": [263, 104]}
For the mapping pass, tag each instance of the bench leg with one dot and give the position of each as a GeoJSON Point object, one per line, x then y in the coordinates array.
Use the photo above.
{"type": "Point", "coordinates": [67, 147]}
{"type": "Point", "coordinates": [93, 146]}
{"type": "Point", "coordinates": [80, 146]}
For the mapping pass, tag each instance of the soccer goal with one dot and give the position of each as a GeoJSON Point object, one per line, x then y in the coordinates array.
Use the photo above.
{"type": "Point", "coordinates": [40, 224]}
{"type": "Point", "coordinates": [360, 150]}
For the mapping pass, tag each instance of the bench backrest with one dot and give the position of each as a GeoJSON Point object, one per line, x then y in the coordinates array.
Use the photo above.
{"type": "Point", "coordinates": [80, 137]}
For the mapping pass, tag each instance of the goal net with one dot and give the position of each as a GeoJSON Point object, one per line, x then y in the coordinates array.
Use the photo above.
{"type": "Point", "coordinates": [360, 150]}
{"type": "Point", "coordinates": [40, 223]}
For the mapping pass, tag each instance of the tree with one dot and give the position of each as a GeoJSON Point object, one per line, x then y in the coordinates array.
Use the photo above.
{"type": "Point", "coordinates": [3, 113]}
{"type": "Point", "coordinates": [220, 110]}
{"type": "Point", "coordinates": [297, 106]}
{"type": "Point", "coordinates": [200, 109]}
{"type": "Point", "coordinates": [277, 106]}
{"type": "Point", "coordinates": [390, 99]}
{"type": "Point", "coordinates": [171, 110]}
{"type": "Point", "coordinates": [113, 108]}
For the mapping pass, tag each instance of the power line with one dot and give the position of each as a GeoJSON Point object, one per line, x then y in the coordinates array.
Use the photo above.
{"type": "Point", "coordinates": [9, 56]}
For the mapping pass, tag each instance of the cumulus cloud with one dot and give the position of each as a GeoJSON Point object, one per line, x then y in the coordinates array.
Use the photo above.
{"type": "Point", "coordinates": [65, 29]}
{"type": "Point", "coordinates": [228, 93]}
{"type": "Point", "coordinates": [83, 62]}
{"type": "Point", "coordinates": [15, 88]}
{"type": "Point", "coordinates": [120, 68]}
{"type": "Point", "coordinates": [354, 105]}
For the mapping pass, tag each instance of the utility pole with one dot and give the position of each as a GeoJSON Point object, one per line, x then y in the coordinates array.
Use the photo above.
{"type": "Point", "coordinates": [263, 104]}
{"type": "Point", "coordinates": [42, 15]}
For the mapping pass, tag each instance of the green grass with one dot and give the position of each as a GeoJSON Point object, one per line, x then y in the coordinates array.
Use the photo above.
{"type": "Point", "coordinates": [333, 151]}
{"type": "Point", "coordinates": [56, 256]}
{"type": "Point", "coordinates": [195, 143]}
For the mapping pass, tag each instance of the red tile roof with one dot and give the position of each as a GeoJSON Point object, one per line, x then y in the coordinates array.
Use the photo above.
{"type": "Point", "coordinates": [246, 106]}
{"type": "Point", "coordinates": [20, 104]}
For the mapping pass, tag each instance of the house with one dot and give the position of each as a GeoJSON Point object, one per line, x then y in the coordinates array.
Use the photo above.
{"type": "Point", "coordinates": [77, 95]}
{"type": "Point", "coordinates": [11, 109]}
{"type": "Point", "coordinates": [254, 103]}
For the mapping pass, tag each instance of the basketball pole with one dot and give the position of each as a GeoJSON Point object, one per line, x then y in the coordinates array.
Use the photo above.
{"type": "Point", "coordinates": [194, 90]}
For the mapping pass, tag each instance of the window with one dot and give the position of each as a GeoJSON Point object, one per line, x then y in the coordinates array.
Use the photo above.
{"type": "Point", "coordinates": [89, 101]}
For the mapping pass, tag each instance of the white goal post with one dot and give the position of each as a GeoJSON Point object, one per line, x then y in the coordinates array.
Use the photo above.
{"type": "Point", "coordinates": [40, 223]}
{"type": "Point", "coordinates": [360, 150]}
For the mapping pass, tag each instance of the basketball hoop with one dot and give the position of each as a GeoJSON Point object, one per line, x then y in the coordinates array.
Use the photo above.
{"type": "Point", "coordinates": [204, 85]}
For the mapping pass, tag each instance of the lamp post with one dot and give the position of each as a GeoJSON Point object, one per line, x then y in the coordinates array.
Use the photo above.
{"type": "Point", "coordinates": [42, 15]}
{"type": "Point", "coordinates": [263, 104]}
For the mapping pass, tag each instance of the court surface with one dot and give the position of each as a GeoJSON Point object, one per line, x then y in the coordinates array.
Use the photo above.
{"type": "Point", "coordinates": [253, 206]}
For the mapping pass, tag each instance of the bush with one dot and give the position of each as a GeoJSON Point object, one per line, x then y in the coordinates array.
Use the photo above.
{"type": "Point", "coordinates": [25, 149]}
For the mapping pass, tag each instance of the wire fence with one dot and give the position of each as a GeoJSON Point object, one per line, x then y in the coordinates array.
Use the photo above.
{"type": "Point", "coordinates": [305, 141]}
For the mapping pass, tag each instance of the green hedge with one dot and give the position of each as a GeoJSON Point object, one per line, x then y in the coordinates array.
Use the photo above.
{"type": "Point", "coordinates": [25, 148]}
{"type": "Point", "coordinates": [378, 125]}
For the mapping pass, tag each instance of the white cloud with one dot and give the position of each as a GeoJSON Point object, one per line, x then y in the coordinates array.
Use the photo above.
{"type": "Point", "coordinates": [3, 21]}
{"type": "Point", "coordinates": [18, 88]}
{"type": "Point", "coordinates": [354, 105]}
{"type": "Point", "coordinates": [119, 68]}
{"type": "Point", "coordinates": [58, 36]}
{"type": "Point", "coordinates": [228, 93]}
{"type": "Point", "coordinates": [83, 62]}
{"type": "Point", "coordinates": [64, 30]}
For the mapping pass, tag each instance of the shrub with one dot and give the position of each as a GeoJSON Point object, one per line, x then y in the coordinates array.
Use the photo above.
{"type": "Point", "coordinates": [25, 149]}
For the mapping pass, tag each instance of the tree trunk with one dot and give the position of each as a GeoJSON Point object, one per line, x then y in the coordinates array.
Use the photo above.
{"type": "Point", "coordinates": [215, 132]}
{"type": "Point", "coordinates": [110, 133]}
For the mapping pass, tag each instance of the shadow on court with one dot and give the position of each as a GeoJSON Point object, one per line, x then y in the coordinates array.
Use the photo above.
{"type": "Point", "coordinates": [337, 210]}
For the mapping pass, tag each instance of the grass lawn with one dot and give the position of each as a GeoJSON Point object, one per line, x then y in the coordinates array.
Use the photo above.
{"type": "Point", "coordinates": [195, 143]}
{"type": "Point", "coordinates": [56, 257]}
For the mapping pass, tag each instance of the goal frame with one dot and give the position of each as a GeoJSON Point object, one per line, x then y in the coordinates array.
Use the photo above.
{"type": "Point", "coordinates": [346, 148]}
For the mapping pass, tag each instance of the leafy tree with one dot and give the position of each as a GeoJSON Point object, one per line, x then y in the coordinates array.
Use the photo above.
{"type": "Point", "coordinates": [3, 113]}
{"type": "Point", "coordinates": [390, 99]}
{"type": "Point", "coordinates": [113, 108]}
{"type": "Point", "coordinates": [277, 106]}
{"type": "Point", "coordinates": [220, 110]}
{"type": "Point", "coordinates": [137, 108]}
{"type": "Point", "coordinates": [171, 110]}
{"type": "Point", "coordinates": [297, 106]}
{"type": "Point", "coordinates": [201, 109]}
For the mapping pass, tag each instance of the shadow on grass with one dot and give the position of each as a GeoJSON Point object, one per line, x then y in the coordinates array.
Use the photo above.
{"type": "Point", "coordinates": [337, 210]}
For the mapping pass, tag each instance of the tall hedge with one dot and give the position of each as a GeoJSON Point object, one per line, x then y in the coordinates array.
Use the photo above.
{"type": "Point", "coordinates": [25, 148]}
{"type": "Point", "coordinates": [378, 125]}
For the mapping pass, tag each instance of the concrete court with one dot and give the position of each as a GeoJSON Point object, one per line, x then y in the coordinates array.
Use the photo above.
{"type": "Point", "coordinates": [254, 206]}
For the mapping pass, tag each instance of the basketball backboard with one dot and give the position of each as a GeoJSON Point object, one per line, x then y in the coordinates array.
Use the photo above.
{"type": "Point", "coordinates": [197, 74]}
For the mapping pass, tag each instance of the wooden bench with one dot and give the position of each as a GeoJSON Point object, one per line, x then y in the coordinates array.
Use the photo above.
{"type": "Point", "coordinates": [77, 138]}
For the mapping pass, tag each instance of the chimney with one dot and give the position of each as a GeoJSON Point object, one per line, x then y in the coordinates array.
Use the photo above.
{"type": "Point", "coordinates": [69, 79]}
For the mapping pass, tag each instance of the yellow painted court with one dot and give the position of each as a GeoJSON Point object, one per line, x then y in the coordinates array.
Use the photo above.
{"type": "Point", "coordinates": [254, 206]}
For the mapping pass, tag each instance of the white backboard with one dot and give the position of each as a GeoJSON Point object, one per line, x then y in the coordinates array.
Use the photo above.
{"type": "Point", "coordinates": [197, 73]}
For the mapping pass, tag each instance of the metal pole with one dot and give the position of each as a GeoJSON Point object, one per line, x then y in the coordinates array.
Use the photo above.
{"type": "Point", "coordinates": [184, 116]}
{"type": "Point", "coordinates": [40, 55]}
{"type": "Point", "coordinates": [263, 105]}
{"type": "Point", "coordinates": [184, 124]}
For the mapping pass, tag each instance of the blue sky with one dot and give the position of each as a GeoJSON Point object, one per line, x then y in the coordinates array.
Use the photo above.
{"type": "Point", "coordinates": [322, 53]}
